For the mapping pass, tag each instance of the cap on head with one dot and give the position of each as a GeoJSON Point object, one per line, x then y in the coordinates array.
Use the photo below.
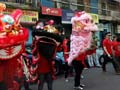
{"type": "Point", "coordinates": [107, 33]}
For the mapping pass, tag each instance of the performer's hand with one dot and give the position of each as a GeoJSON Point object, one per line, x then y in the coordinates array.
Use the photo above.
{"type": "Point", "coordinates": [109, 56]}
{"type": "Point", "coordinates": [69, 63]}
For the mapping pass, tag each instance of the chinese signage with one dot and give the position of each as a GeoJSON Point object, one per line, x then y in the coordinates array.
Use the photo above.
{"type": "Point", "coordinates": [51, 11]}
{"type": "Point", "coordinates": [67, 15]}
{"type": "Point", "coordinates": [27, 17]}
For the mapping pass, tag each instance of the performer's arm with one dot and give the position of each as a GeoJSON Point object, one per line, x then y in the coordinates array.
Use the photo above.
{"type": "Point", "coordinates": [106, 51]}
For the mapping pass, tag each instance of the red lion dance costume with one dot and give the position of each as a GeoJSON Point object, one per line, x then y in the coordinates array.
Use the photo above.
{"type": "Point", "coordinates": [12, 45]}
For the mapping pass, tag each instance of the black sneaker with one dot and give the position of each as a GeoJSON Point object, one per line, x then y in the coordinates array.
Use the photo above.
{"type": "Point", "coordinates": [104, 71]}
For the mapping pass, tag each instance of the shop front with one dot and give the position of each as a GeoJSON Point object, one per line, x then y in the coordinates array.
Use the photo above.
{"type": "Point", "coordinates": [48, 13]}
{"type": "Point", "coordinates": [66, 20]}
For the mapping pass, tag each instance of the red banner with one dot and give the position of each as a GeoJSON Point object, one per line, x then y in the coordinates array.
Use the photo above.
{"type": "Point", "coordinates": [51, 11]}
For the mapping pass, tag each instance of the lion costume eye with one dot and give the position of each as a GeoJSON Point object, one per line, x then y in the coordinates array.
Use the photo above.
{"type": "Point", "coordinates": [8, 19]}
{"type": "Point", "coordinates": [87, 21]}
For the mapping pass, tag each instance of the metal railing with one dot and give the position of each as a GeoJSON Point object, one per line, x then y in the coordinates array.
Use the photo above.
{"type": "Point", "coordinates": [66, 5]}
{"type": "Point", "coordinates": [18, 1]}
{"type": "Point", "coordinates": [101, 11]}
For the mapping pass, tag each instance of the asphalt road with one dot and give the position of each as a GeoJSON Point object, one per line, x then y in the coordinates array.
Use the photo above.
{"type": "Point", "coordinates": [94, 79]}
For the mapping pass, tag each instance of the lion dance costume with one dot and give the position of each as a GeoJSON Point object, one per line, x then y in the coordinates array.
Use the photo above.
{"type": "Point", "coordinates": [45, 43]}
{"type": "Point", "coordinates": [82, 27]}
{"type": "Point", "coordinates": [12, 45]}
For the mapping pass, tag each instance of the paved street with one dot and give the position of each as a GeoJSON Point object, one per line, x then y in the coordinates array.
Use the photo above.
{"type": "Point", "coordinates": [94, 79]}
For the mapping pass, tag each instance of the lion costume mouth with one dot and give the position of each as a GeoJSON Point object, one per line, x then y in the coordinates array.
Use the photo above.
{"type": "Point", "coordinates": [11, 46]}
{"type": "Point", "coordinates": [10, 52]}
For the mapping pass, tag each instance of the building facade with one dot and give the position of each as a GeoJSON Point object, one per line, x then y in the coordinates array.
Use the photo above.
{"type": "Point", "coordinates": [106, 13]}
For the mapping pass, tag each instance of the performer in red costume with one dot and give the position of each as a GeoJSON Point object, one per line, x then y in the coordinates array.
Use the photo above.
{"type": "Point", "coordinates": [12, 45]}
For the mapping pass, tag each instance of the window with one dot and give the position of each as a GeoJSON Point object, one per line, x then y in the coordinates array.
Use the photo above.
{"type": "Point", "coordinates": [103, 6]}
{"type": "Point", "coordinates": [80, 5]}
{"type": "Point", "coordinates": [65, 4]}
{"type": "Point", "coordinates": [20, 1]}
{"type": "Point", "coordinates": [94, 6]}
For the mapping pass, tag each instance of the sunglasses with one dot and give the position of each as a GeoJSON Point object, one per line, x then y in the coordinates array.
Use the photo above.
{"type": "Point", "coordinates": [108, 35]}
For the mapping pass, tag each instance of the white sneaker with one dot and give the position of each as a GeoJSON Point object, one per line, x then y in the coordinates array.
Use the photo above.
{"type": "Point", "coordinates": [66, 80]}
{"type": "Point", "coordinates": [82, 77]}
{"type": "Point", "coordinates": [82, 85]}
{"type": "Point", "coordinates": [78, 88]}
{"type": "Point", "coordinates": [85, 68]}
